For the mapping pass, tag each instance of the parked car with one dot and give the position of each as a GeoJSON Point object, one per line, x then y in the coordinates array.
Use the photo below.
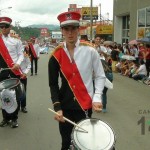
{"type": "Point", "coordinates": [44, 50]}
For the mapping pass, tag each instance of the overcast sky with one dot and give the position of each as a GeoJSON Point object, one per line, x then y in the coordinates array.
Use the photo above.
{"type": "Point", "coordinates": [29, 12]}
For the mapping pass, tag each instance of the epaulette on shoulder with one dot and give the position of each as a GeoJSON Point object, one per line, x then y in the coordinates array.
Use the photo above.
{"type": "Point", "coordinates": [58, 47]}
{"type": "Point", "coordinates": [55, 49]}
{"type": "Point", "coordinates": [85, 43]}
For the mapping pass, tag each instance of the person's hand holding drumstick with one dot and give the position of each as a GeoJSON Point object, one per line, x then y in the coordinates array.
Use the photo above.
{"type": "Point", "coordinates": [59, 116]}
{"type": "Point", "coordinates": [97, 106]}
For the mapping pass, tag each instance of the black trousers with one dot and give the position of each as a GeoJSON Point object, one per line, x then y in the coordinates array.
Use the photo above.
{"type": "Point", "coordinates": [66, 128]}
{"type": "Point", "coordinates": [34, 62]}
{"type": "Point", "coordinates": [104, 97]}
{"type": "Point", "coordinates": [23, 99]}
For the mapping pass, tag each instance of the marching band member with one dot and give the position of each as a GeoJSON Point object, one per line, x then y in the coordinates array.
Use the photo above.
{"type": "Point", "coordinates": [34, 51]}
{"type": "Point", "coordinates": [25, 67]}
{"type": "Point", "coordinates": [11, 56]}
{"type": "Point", "coordinates": [75, 62]}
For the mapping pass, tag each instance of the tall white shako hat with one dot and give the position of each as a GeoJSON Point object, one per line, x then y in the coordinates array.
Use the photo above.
{"type": "Point", "coordinates": [70, 18]}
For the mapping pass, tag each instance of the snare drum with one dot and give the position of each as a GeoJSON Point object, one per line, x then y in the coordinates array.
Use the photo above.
{"type": "Point", "coordinates": [13, 83]}
{"type": "Point", "coordinates": [9, 83]}
{"type": "Point", "coordinates": [100, 136]}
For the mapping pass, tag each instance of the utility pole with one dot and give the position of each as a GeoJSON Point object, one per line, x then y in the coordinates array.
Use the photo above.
{"type": "Point", "coordinates": [91, 21]}
{"type": "Point", "coordinates": [107, 17]}
{"type": "Point", "coordinates": [100, 16]}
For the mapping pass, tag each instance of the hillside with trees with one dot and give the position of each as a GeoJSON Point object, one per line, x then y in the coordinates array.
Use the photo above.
{"type": "Point", "coordinates": [26, 32]}
{"type": "Point", "coordinates": [34, 30]}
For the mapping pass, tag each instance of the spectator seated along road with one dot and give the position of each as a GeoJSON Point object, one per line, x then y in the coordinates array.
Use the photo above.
{"type": "Point", "coordinates": [132, 67]}
{"type": "Point", "coordinates": [141, 71]}
{"type": "Point", "coordinates": [124, 66]}
{"type": "Point", "coordinates": [119, 65]}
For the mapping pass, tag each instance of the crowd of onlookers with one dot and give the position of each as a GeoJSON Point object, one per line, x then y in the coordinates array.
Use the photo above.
{"type": "Point", "coordinates": [138, 67]}
{"type": "Point", "coordinates": [128, 60]}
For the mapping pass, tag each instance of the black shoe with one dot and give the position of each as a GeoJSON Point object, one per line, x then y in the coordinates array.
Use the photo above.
{"type": "Point", "coordinates": [35, 73]}
{"type": "Point", "coordinates": [24, 110]}
{"type": "Point", "coordinates": [4, 123]}
{"type": "Point", "coordinates": [14, 124]}
{"type": "Point", "coordinates": [31, 74]}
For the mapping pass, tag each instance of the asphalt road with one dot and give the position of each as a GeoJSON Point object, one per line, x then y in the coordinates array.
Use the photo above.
{"type": "Point", "coordinates": [128, 115]}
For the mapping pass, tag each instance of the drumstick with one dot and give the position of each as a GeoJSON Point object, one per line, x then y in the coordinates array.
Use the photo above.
{"type": "Point", "coordinates": [68, 120]}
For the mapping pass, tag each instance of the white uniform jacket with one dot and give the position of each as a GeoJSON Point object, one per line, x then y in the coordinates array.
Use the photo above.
{"type": "Point", "coordinates": [15, 48]}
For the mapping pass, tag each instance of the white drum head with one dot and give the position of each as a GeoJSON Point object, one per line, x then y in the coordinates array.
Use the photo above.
{"type": "Point", "coordinates": [99, 137]}
{"type": "Point", "coordinates": [8, 98]}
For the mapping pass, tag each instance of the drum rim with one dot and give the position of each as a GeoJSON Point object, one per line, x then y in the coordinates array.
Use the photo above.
{"type": "Point", "coordinates": [74, 142]}
{"type": "Point", "coordinates": [18, 82]}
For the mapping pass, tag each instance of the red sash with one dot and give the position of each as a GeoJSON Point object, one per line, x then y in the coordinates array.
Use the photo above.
{"type": "Point", "coordinates": [5, 54]}
{"type": "Point", "coordinates": [33, 50]}
{"type": "Point", "coordinates": [74, 79]}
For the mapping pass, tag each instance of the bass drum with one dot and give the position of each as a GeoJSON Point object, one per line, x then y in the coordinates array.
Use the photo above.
{"type": "Point", "coordinates": [100, 136]}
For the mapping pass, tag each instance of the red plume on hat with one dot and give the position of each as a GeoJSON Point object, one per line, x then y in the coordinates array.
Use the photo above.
{"type": "Point", "coordinates": [5, 20]}
{"type": "Point", "coordinates": [69, 18]}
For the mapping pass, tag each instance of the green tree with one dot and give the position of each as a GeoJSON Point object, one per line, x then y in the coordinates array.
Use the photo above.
{"type": "Point", "coordinates": [27, 32]}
